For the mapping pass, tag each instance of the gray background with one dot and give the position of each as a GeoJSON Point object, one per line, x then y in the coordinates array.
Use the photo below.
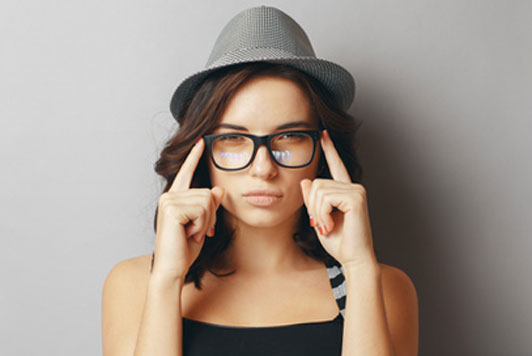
{"type": "Point", "coordinates": [443, 88]}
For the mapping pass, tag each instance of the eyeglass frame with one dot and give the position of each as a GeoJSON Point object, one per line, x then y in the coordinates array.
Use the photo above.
{"type": "Point", "coordinates": [259, 141]}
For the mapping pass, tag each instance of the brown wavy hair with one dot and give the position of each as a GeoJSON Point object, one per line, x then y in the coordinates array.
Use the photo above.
{"type": "Point", "coordinates": [202, 111]}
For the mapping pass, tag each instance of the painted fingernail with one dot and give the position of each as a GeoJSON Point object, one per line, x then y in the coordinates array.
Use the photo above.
{"type": "Point", "coordinates": [312, 221]}
{"type": "Point", "coordinates": [198, 140]}
{"type": "Point", "coordinates": [211, 231]}
{"type": "Point", "coordinates": [319, 228]}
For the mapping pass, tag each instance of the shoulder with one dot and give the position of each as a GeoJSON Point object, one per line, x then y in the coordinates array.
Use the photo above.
{"type": "Point", "coordinates": [132, 273]}
{"type": "Point", "coordinates": [397, 286]}
{"type": "Point", "coordinates": [394, 275]}
{"type": "Point", "coordinates": [137, 267]}
{"type": "Point", "coordinates": [401, 304]}
{"type": "Point", "coordinates": [123, 296]}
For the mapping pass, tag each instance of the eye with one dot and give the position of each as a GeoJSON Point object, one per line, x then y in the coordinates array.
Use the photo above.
{"type": "Point", "coordinates": [231, 138]}
{"type": "Point", "coordinates": [292, 136]}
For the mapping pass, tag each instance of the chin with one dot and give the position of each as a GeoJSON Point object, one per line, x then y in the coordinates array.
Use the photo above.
{"type": "Point", "coordinates": [264, 218]}
{"type": "Point", "coordinates": [261, 217]}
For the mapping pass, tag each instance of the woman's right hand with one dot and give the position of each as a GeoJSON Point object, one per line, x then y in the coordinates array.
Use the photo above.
{"type": "Point", "coordinates": [185, 215]}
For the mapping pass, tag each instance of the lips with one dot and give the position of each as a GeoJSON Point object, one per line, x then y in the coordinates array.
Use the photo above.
{"type": "Point", "coordinates": [262, 197]}
{"type": "Point", "coordinates": [262, 200]}
{"type": "Point", "coordinates": [263, 193]}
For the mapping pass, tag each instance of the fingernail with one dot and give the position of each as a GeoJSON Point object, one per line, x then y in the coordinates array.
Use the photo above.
{"type": "Point", "coordinates": [211, 231]}
{"type": "Point", "coordinates": [324, 230]}
{"type": "Point", "coordinates": [312, 221]}
{"type": "Point", "coordinates": [198, 140]}
{"type": "Point", "coordinates": [319, 228]}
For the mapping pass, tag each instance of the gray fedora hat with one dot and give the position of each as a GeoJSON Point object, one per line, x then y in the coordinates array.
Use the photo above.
{"type": "Point", "coordinates": [268, 34]}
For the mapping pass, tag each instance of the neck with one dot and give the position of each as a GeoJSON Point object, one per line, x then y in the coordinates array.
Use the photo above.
{"type": "Point", "coordinates": [265, 250]}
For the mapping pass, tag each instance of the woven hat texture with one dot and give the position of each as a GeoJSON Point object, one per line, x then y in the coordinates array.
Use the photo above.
{"type": "Point", "coordinates": [268, 34]}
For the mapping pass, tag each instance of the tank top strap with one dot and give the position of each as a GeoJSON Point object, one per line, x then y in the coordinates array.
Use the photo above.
{"type": "Point", "coordinates": [338, 284]}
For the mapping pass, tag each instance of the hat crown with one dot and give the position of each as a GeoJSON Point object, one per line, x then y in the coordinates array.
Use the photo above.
{"type": "Point", "coordinates": [266, 34]}
{"type": "Point", "coordinates": [261, 27]}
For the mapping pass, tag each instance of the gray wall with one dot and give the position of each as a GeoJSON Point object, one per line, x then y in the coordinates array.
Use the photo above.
{"type": "Point", "coordinates": [443, 88]}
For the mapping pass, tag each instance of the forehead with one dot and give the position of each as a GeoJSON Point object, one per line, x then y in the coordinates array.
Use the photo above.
{"type": "Point", "coordinates": [266, 102]}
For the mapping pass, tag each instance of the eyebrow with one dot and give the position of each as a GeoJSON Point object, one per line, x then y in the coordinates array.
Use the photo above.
{"type": "Point", "coordinates": [288, 125]}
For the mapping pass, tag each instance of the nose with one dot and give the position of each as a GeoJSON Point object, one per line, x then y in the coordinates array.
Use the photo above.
{"type": "Point", "coordinates": [263, 166]}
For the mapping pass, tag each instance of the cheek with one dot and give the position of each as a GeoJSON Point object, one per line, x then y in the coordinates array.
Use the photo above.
{"type": "Point", "coordinates": [216, 176]}
{"type": "Point", "coordinates": [309, 172]}
{"type": "Point", "coordinates": [223, 180]}
{"type": "Point", "coordinates": [312, 169]}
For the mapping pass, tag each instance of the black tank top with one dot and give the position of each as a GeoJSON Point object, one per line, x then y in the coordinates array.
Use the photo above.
{"type": "Point", "coordinates": [315, 338]}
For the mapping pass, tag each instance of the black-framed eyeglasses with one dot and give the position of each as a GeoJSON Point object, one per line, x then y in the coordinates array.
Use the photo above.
{"type": "Point", "coordinates": [290, 149]}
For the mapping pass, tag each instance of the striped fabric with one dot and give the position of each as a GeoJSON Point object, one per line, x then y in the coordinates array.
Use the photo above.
{"type": "Point", "coordinates": [337, 279]}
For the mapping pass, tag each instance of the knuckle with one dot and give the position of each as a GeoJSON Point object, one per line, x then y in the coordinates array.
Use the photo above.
{"type": "Point", "coordinates": [319, 181]}
{"type": "Point", "coordinates": [320, 194]}
{"type": "Point", "coordinates": [166, 196]}
{"type": "Point", "coordinates": [203, 210]}
{"type": "Point", "coordinates": [201, 221]}
{"type": "Point", "coordinates": [169, 211]}
{"type": "Point", "coordinates": [361, 190]}
{"type": "Point", "coordinates": [163, 204]}
{"type": "Point", "coordinates": [163, 198]}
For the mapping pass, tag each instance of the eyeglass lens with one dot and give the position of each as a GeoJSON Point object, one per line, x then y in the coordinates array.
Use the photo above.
{"type": "Point", "coordinates": [291, 149]}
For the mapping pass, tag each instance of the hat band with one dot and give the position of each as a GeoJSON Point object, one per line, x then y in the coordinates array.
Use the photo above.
{"type": "Point", "coordinates": [252, 54]}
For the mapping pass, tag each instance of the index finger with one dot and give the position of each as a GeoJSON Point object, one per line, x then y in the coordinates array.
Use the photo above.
{"type": "Point", "coordinates": [186, 172]}
{"type": "Point", "coordinates": [335, 163]}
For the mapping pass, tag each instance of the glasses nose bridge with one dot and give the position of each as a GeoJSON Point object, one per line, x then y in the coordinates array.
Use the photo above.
{"type": "Point", "coordinates": [260, 141]}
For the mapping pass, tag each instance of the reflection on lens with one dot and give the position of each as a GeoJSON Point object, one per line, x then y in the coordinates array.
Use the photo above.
{"type": "Point", "coordinates": [282, 156]}
{"type": "Point", "coordinates": [232, 151]}
{"type": "Point", "coordinates": [232, 158]}
{"type": "Point", "coordinates": [292, 149]}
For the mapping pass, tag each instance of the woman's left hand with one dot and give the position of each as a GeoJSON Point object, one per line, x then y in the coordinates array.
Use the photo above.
{"type": "Point", "coordinates": [346, 233]}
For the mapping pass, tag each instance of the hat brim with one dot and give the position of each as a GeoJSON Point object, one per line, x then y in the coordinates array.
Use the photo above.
{"type": "Point", "coordinates": [336, 79]}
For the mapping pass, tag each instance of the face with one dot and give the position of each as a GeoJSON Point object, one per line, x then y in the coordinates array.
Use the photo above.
{"type": "Point", "coordinates": [259, 107]}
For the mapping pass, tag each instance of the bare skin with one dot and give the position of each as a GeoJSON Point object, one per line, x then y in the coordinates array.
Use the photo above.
{"type": "Point", "coordinates": [244, 301]}
{"type": "Point", "coordinates": [129, 280]}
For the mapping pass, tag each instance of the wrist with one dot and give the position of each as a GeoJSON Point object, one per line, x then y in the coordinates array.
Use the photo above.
{"type": "Point", "coordinates": [160, 280]}
{"type": "Point", "coordinates": [368, 266]}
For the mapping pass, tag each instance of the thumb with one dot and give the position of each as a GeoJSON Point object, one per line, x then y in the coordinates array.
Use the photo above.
{"type": "Point", "coordinates": [218, 193]}
{"type": "Point", "coordinates": [305, 184]}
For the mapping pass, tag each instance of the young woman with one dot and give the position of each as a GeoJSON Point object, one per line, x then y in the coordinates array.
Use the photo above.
{"type": "Point", "coordinates": [263, 239]}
